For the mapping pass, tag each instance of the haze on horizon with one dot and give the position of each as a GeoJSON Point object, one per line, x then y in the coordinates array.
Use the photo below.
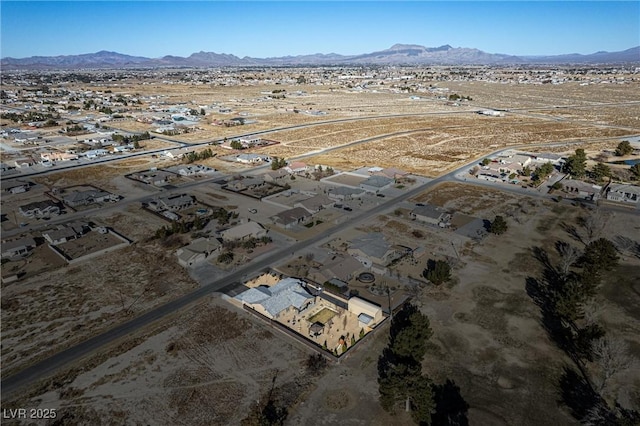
{"type": "Point", "coordinates": [271, 29]}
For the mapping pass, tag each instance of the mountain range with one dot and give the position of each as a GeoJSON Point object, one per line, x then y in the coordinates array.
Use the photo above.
{"type": "Point", "coordinates": [398, 54]}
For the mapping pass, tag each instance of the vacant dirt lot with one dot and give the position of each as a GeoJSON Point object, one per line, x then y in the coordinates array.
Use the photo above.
{"type": "Point", "coordinates": [45, 313]}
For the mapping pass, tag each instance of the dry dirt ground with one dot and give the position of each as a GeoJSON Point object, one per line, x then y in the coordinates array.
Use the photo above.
{"type": "Point", "coordinates": [45, 313]}
{"type": "Point", "coordinates": [209, 364]}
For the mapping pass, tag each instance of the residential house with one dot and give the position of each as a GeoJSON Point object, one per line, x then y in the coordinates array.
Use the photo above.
{"type": "Point", "coordinates": [24, 162]}
{"type": "Point", "coordinates": [154, 177]}
{"type": "Point", "coordinates": [376, 183]}
{"type": "Point", "coordinates": [42, 208]}
{"type": "Point", "coordinates": [580, 189]}
{"type": "Point", "coordinates": [296, 168]}
{"type": "Point", "coordinates": [172, 202]}
{"type": "Point", "coordinates": [61, 235]}
{"type": "Point", "coordinates": [392, 173]}
{"type": "Point", "coordinates": [245, 184]}
{"type": "Point", "coordinates": [15, 186]}
{"type": "Point", "coordinates": [547, 157]}
{"type": "Point", "coordinates": [17, 248]}
{"type": "Point", "coordinates": [288, 294]}
{"type": "Point", "coordinates": [58, 156]}
{"type": "Point", "coordinates": [315, 203]}
{"type": "Point", "coordinates": [91, 196]}
{"type": "Point", "coordinates": [244, 231]}
{"type": "Point", "coordinates": [251, 158]}
{"type": "Point", "coordinates": [339, 266]}
{"type": "Point", "coordinates": [431, 215]}
{"type": "Point", "coordinates": [342, 193]}
{"type": "Point", "coordinates": [373, 249]}
{"type": "Point", "coordinates": [624, 193]}
{"type": "Point", "coordinates": [95, 153]}
{"type": "Point", "coordinates": [292, 217]}
{"type": "Point", "coordinates": [275, 176]}
{"type": "Point", "coordinates": [198, 251]}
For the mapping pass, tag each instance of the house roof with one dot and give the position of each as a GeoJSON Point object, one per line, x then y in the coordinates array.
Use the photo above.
{"type": "Point", "coordinates": [340, 267]}
{"type": "Point", "coordinates": [392, 172]}
{"type": "Point", "coordinates": [58, 234]}
{"type": "Point", "coordinates": [624, 188]}
{"type": "Point", "coordinates": [17, 244]}
{"type": "Point", "coordinates": [581, 185]}
{"type": "Point", "coordinates": [372, 244]}
{"type": "Point", "coordinates": [176, 200]}
{"type": "Point", "coordinates": [43, 204]}
{"type": "Point", "coordinates": [377, 181]}
{"type": "Point", "coordinates": [432, 212]}
{"type": "Point", "coordinates": [241, 231]}
{"type": "Point", "coordinates": [315, 203]}
{"type": "Point", "coordinates": [291, 216]}
{"type": "Point", "coordinates": [80, 196]}
{"type": "Point", "coordinates": [343, 190]}
{"type": "Point", "coordinates": [275, 299]}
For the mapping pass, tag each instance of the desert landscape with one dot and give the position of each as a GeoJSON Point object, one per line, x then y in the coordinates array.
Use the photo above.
{"type": "Point", "coordinates": [354, 181]}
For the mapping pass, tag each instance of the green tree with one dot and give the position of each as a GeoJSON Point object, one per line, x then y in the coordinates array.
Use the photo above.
{"type": "Point", "coordinates": [437, 271]}
{"type": "Point", "coordinates": [576, 164]}
{"type": "Point", "coordinates": [498, 226]}
{"type": "Point", "coordinates": [400, 376]}
{"type": "Point", "coordinates": [361, 333]}
{"type": "Point", "coordinates": [486, 162]}
{"type": "Point", "coordinates": [600, 171]}
{"type": "Point", "coordinates": [543, 171]}
{"type": "Point", "coordinates": [624, 148]}
{"type": "Point", "coordinates": [526, 171]}
{"type": "Point", "coordinates": [450, 407]}
{"type": "Point", "coordinates": [599, 256]}
{"type": "Point", "coordinates": [635, 169]}
{"type": "Point", "coordinates": [235, 144]}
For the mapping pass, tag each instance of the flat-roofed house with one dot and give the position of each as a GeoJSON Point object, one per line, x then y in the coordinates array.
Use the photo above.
{"type": "Point", "coordinates": [623, 193]}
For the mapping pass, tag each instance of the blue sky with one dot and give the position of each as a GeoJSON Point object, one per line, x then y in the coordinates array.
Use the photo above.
{"type": "Point", "coordinates": [265, 28]}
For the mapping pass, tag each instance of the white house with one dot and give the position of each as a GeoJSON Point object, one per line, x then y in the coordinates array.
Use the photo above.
{"type": "Point", "coordinates": [624, 193]}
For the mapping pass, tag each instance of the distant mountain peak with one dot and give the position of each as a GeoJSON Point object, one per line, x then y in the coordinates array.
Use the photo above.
{"type": "Point", "coordinates": [398, 54]}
